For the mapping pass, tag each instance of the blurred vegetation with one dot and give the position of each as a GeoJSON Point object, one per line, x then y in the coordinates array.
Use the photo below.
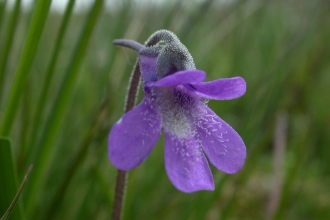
{"type": "Point", "coordinates": [72, 85]}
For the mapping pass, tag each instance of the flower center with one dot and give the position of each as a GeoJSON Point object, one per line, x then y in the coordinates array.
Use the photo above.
{"type": "Point", "coordinates": [177, 108]}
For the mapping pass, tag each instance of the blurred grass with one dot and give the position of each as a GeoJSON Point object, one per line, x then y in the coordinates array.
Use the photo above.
{"type": "Point", "coordinates": [8, 181]}
{"type": "Point", "coordinates": [282, 50]}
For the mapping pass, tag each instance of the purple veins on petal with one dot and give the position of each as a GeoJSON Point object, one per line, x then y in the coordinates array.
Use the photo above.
{"type": "Point", "coordinates": [220, 142]}
{"type": "Point", "coordinates": [221, 89]}
{"type": "Point", "coordinates": [134, 136]}
{"type": "Point", "coordinates": [186, 165]}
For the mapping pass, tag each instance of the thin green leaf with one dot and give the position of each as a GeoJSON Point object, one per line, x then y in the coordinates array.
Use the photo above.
{"type": "Point", "coordinates": [2, 9]}
{"type": "Point", "coordinates": [62, 101]}
{"type": "Point", "coordinates": [8, 184]}
{"type": "Point", "coordinates": [78, 158]}
{"type": "Point", "coordinates": [22, 73]}
{"type": "Point", "coordinates": [12, 205]}
{"type": "Point", "coordinates": [12, 27]}
{"type": "Point", "coordinates": [50, 72]}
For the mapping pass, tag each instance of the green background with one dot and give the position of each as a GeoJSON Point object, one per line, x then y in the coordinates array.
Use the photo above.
{"type": "Point", "coordinates": [63, 85]}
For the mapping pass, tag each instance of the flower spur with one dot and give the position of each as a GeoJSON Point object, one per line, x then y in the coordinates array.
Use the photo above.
{"type": "Point", "coordinates": [173, 103]}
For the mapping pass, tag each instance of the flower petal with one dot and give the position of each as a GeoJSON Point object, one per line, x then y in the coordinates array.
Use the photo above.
{"type": "Point", "coordinates": [221, 143]}
{"type": "Point", "coordinates": [180, 78]}
{"type": "Point", "coordinates": [148, 68]}
{"type": "Point", "coordinates": [222, 89]}
{"type": "Point", "coordinates": [186, 165]}
{"type": "Point", "coordinates": [134, 136]}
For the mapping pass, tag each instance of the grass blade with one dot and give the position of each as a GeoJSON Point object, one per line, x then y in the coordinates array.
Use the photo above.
{"type": "Point", "coordinates": [61, 103]}
{"type": "Point", "coordinates": [12, 205]}
{"type": "Point", "coordinates": [78, 159]}
{"type": "Point", "coordinates": [8, 184]}
{"type": "Point", "coordinates": [7, 47]}
{"type": "Point", "coordinates": [2, 9]}
{"type": "Point", "coordinates": [24, 66]}
{"type": "Point", "coordinates": [50, 71]}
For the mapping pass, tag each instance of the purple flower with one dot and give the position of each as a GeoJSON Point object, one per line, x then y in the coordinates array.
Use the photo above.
{"type": "Point", "coordinates": [173, 103]}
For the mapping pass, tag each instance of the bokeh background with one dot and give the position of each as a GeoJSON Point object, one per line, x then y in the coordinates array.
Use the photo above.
{"type": "Point", "coordinates": [63, 85]}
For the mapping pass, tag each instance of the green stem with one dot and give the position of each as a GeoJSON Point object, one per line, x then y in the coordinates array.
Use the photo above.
{"type": "Point", "coordinates": [122, 176]}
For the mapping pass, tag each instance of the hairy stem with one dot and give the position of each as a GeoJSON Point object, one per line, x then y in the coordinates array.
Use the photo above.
{"type": "Point", "coordinates": [123, 175]}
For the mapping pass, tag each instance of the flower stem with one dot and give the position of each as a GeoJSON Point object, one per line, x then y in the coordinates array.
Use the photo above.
{"type": "Point", "coordinates": [119, 195]}
{"type": "Point", "coordinates": [123, 175]}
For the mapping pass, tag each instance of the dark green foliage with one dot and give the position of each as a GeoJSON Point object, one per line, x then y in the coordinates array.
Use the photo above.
{"type": "Point", "coordinates": [8, 185]}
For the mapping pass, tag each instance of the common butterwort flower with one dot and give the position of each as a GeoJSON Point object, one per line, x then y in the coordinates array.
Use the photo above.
{"type": "Point", "coordinates": [174, 103]}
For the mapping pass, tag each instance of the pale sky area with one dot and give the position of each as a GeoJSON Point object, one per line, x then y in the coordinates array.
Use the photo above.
{"type": "Point", "coordinates": [59, 5]}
